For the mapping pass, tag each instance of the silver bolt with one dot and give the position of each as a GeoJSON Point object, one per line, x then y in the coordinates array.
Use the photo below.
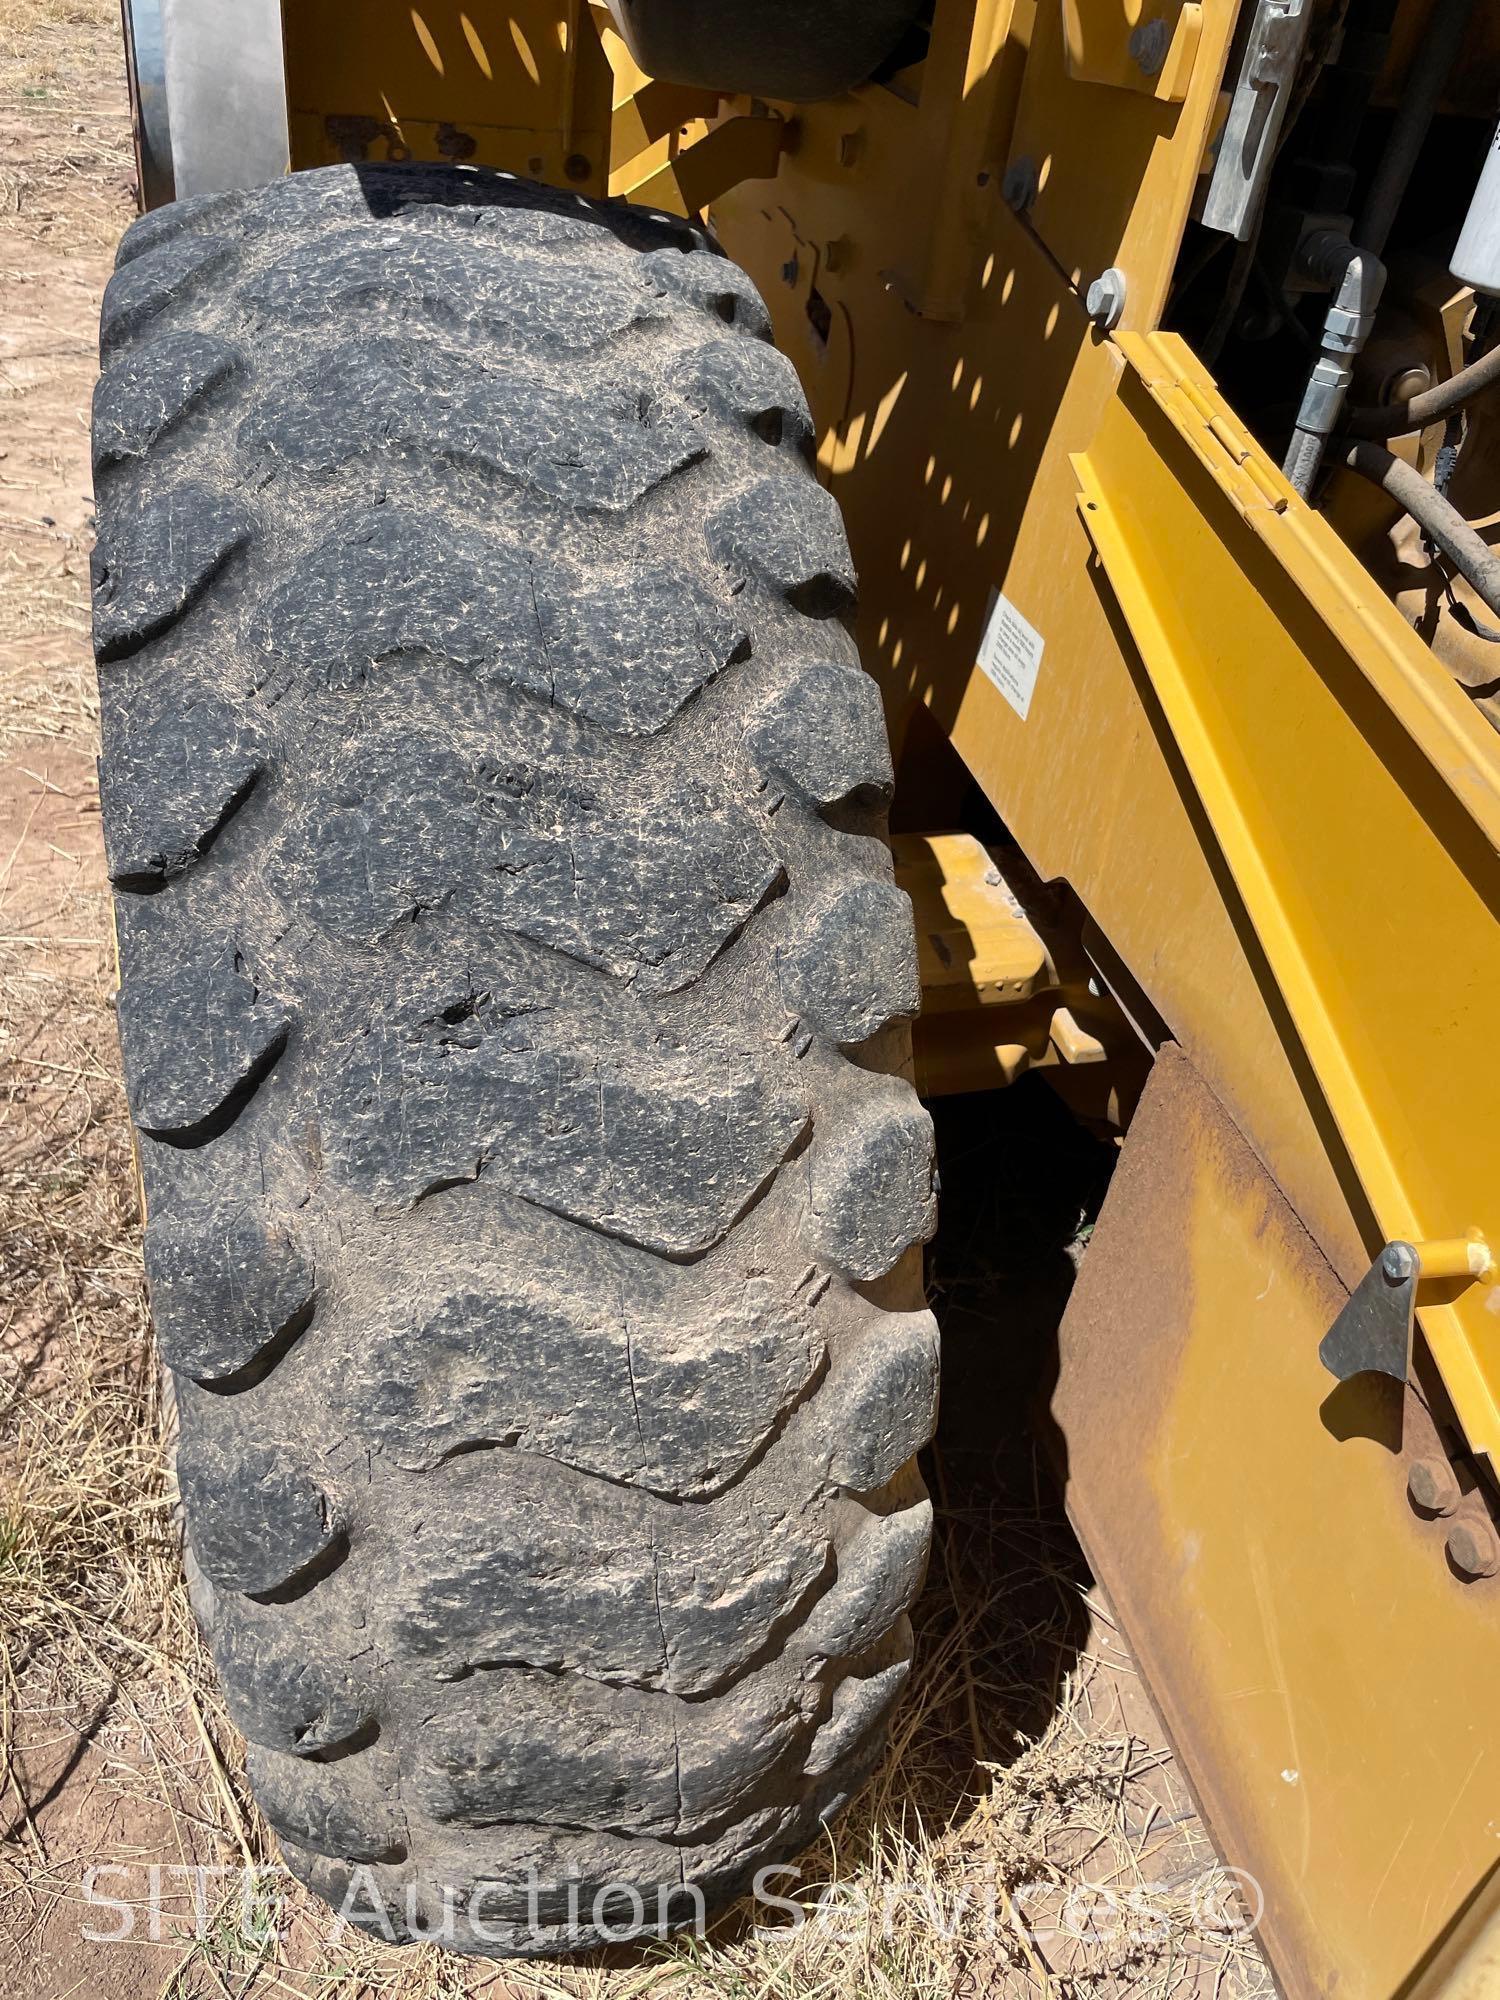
{"type": "Point", "coordinates": [1104, 300]}
{"type": "Point", "coordinates": [1020, 184]}
{"type": "Point", "coordinates": [1398, 1261]}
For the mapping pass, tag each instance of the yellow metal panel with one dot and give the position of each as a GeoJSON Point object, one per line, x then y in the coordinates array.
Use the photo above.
{"type": "Point", "coordinates": [1356, 796]}
{"type": "Point", "coordinates": [1327, 1680]}
{"type": "Point", "coordinates": [1119, 43]}
{"type": "Point", "coordinates": [1462, 749]}
{"type": "Point", "coordinates": [523, 86]}
{"type": "Point", "coordinates": [1116, 168]}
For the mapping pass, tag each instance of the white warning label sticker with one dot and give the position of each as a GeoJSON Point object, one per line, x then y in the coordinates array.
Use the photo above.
{"type": "Point", "coordinates": [1010, 653]}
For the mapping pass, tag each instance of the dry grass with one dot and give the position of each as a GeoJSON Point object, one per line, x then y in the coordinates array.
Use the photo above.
{"type": "Point", "coordinates": [65, 195]}
{"type": "Point", "coordinates": [47, 42]}
{"type": "Point", "coordinates": [1020, 1768]}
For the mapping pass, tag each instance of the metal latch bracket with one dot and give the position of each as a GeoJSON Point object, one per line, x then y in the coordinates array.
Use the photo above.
{"type": "Point", "coordinates": [1373, 1333]}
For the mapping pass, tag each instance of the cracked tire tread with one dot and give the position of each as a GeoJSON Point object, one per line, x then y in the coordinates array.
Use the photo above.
{"type": "Point", "coordinates": [513, 1013]}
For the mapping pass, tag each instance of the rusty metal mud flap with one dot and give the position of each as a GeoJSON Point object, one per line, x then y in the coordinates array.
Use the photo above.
{"type": "Point", "coordinates": [1306, 1567]}
{"type": "Point", "coordinates": [1328, 1680]}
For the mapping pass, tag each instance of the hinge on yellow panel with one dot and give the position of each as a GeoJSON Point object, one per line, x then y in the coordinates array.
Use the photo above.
{"type": "Point", "coordinates": [1188, 396]}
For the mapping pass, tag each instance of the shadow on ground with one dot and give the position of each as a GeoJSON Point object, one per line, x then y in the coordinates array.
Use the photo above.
{"type": "Point", "coordinates": [1022, 1183]}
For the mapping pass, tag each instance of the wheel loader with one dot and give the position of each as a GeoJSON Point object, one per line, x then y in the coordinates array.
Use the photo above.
{"type": "Point", "coordinates": [672, 580]}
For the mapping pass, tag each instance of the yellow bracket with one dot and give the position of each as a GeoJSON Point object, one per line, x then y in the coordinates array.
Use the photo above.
{"type": "Point", "coordinates": [1148, 48]}
{"type": "Point", "coordinates": [696, 173]}
{"type": "Point", "coordinates": [654, 114]}
{"type": "Point", "coordinates": [1002, 995]}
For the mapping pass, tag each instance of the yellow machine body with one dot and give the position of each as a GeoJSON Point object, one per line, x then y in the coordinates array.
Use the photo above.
{"type": "Point", "coordinates": [1276, 810]}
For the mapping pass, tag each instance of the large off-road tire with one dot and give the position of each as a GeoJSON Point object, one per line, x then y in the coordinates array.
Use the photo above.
{"type": "Point", "coordinates": [510, 962]}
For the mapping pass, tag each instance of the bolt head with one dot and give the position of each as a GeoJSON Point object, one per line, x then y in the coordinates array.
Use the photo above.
{"type": "Point", "coordinates": [1104, 301]}
{"type": "Point", "coordinates": [1432, 1485]}
{"type": "Point", "coordinates": [1149, 42]}
{"type": "Point", "coordinates": [1019, 187]}
{"type": "Point", "coordinates": [1398, 1262]}
{"type": "Point", "coordinates": [1473, 1549]}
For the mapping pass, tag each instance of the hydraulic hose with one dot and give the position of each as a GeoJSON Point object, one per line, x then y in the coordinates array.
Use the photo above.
{"type": "Point", "coordinates": [1439, 520]}
{"type": "Point", "coordinates": [1430, 69]}
{"type": "Point", "coordinates": [1358, 277]}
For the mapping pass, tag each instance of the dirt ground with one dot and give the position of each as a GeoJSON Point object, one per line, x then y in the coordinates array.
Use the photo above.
{"type": "Point", "coordinates": [1028, 1833]}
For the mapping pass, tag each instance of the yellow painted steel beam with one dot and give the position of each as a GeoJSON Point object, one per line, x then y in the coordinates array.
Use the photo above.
{"type": "Point", "coordinates": [1355, 795]}
{"type": "Point", "coordinates": [976, 947]}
